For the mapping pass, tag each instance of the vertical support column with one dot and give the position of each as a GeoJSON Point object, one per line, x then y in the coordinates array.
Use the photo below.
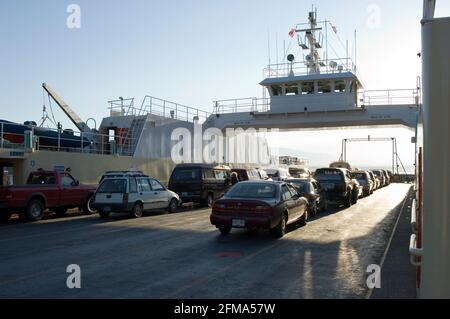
{"type": "Point", "coordinates": [1, 136]}
{"type": "Point", "coordinates": [436, 175]}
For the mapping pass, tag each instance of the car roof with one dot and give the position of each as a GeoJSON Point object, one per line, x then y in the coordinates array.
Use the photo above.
{"type": "Point", "coordinates": [123, 174]}
{"type": "Point", "coordinates": [202, 165]}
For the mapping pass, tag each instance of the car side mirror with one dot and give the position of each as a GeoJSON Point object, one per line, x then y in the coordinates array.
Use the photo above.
{"type": "Point", "coordinates": [77, 183]}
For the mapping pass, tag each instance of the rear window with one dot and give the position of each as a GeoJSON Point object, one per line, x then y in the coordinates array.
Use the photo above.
{"type": "Point", "coordinates": [361, 176]}
{"type": "Point", "coordinates": [252, 190]}
{"type": "Point", "coordinates": [41, 179]}
{"type": "Point", "coordinates": [186, 174]}
{"type": "Point", "coordinates": [113, 186]}
{"type": "Point", "coordinates": [329, 175]}
{"type": "Point", "coordinates": [302, 186]}
{"type": "Point", "coordinates": [377, 173]}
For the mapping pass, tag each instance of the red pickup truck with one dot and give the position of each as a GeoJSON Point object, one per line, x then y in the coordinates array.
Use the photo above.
{"type": "Point", "coordinates": [56, 191]}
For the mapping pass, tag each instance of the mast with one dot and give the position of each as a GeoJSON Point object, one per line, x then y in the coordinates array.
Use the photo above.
{"type": "Point", "coordinates": [313, 58]}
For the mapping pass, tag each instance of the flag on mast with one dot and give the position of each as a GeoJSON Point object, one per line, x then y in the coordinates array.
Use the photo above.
{"type": "Point", "coordinates": [292, 32]}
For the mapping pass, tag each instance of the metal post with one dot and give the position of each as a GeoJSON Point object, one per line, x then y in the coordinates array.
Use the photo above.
{"type": "Point", "coordinates": [1, 141]}
{"type": "Point", "coordinates": [59, 139]}
{"type": "Point", "coordinates": [435, 281]}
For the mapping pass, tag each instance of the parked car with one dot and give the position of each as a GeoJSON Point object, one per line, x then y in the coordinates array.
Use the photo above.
{"type": "Point", "coordinates": [386, 176]}
{"type": "Point", "coordinates": [200, 183]}
{"type": "Point", "coordinates": [134, 193]}
{"type": "Point", "coordinates": [263, 175]}
{"type": "Point", "coordinates": [365, 181]}
{"type": "Point", "coordinates": [376, 181]}
{"type": "Point", "coordinates": [52, 190]}
{"type": "Point", "coordinates": [278, 174]}
{"type": "Point", "coordinates": [310, 189]}
{"type": "Point", "coordinates": [380, 176]}
{"type": "Point", "coordinates": [339, 185]}
{"type": "Point", "coordinates": [259, 205]}
{"type": "Point", "coordinates": [246, 174]}
{"type": "Point", "coordinates": [299, 172]}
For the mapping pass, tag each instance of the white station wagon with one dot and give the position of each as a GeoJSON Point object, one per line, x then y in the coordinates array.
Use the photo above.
{"type": "Point", "coordinates": [133, 192]}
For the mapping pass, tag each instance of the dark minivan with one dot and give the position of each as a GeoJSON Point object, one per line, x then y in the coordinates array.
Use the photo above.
{"type": "Point", "coordinates": [200, 183]}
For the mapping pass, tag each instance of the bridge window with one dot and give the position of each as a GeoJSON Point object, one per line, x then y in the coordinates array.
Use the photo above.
{"type": "Point", "coordinates": [308, 88]}
{"type": "Point", "coordinates": [339, 86]}
{"type": "Point", "coordinates": [276, 90]}
{"type": "Point", "coordinates": [324, 87]}
{"type": "Point", "coordinates": [292, 89]}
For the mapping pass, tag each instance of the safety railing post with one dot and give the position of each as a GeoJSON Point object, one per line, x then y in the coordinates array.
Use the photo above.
{"type": "Point", "coordinates": [59, 139]}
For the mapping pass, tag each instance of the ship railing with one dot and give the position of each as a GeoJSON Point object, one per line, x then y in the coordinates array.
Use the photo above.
{"type": "Point", "coordinates": [329, 66]}
{"type": "Point", "coordinates": [158, 107]}
{"type": "Point", "coordinates": [390, 97]}
{"type": "Point", "coordinates": [242, 105]}
{"type": "Point", "coordinates": [87, 143]}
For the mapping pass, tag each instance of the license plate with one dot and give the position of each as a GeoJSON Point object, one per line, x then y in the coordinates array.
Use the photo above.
{"type": "Point", "coordinates": [240, 223]}
{"type": "Point", "coordinates": [184, 194]}
{"type": "Point", "coordinates": [327, 186]}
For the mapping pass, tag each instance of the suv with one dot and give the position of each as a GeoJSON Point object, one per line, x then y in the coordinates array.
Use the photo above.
{"type": "Point", "coordinates": [200, 183]}
{"type": "Point", "coordinates": [338, 185]}
{"type": "Point", "coordinates": [365, 181]}
{"type": "Point", "coordinates": [380, 176]}
{"type": "Point", "coordinates": [133, 192]}
{"type": "Point", "coordinates": [279, 174]}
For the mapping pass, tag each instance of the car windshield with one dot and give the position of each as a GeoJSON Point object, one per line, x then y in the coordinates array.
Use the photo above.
{"type": "Point", "coordinates": [112, 186]}
{"type": "Point", "coordinates": [329, 175]}
{"type": "Point", "coordinates": [252, 190]}
{"type": "Point", "coordinates": [377, 173]}
{"type": "Point", "coordinates": [302, 186]}
{"type": "Point", "coordinates": [186, 174]}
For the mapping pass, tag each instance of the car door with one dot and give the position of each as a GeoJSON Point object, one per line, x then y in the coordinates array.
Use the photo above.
{"type": "Point", "coordinates": [145, 193]}
{"type": "Point", "coordinates": [300, 203]}
{"type": "Point", "coordinates": [70, 193]}
{"type": "Point", "coordinates": [160, 194]}
{"type": "Point", "coordinates": [290, 203]}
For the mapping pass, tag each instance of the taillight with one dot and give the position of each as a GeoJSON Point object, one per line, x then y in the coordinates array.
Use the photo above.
{"type": "Point", "coordinates": [217, 207]}
{"type": "Point", "coordinates": [9, 194]}
{"type": "Point", "coordinates": [264, 209]}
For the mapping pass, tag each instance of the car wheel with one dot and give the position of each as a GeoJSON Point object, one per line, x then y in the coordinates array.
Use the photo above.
{"type": "Point", "coordinates": [315, 209]}
{"type": "Point", "coordinates": [209, 200]}
{"type": "Point", "coordinates": [34, 210]}
{"type": "Point", "coordinates": [60, 211]}
{"type": "Point", "coordinates": [5, 216]}
{"type": "Point", "coordinates": [88, 208]}
{"type": "Point", "coordinates": [325, 205]}
{"type": "Point", "coordinates": [104, 214]}
{"type": "Point", "coordinates": [354, 198]}
{"type": "Point", "coordinates": [225, 230]}
{"type": "Point", "coordinates": [303, 220]}
{"type": "Point", "coordinates": [173, 206]}
{"type": "Point", "coordinates": [137, 211]}
{"type": "Point", "coordinates": [348, 200]}
{"type": "Point", "coordinates": [280, 230]}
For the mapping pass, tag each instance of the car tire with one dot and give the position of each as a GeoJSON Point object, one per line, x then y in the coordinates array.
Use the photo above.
{"type": "Point", "coordinates": [348, 200]}
{"type": "Point", "coordinates": [209, 200]}
{"type": "Point", "coordinates": [325, 205]}
{"type": "Point", "coordinates": [280, 230]}
{"type": "Point", "coordinates": [303, 220]}
{"type": "Point", "coordinates": [87, 207]}
{"type": "Point", "coordinates": [5, 216]}
{"type": "Point", "coordinates": [354, 198]}
{"type": "Point", "coordinates": [104, 214]}
{"type": "Point", "coordinates": [225, 230]}
{"type": "Point", "coordinates": [315, 210]}
{"type": "Point", "coordinates": [34, 210]}
{"type": "Point", "coordinates": [60, 211]}
{"type": "Point", "coordinates": [137, 211]}
{"type": "Point", "coordinates": [173, 206]}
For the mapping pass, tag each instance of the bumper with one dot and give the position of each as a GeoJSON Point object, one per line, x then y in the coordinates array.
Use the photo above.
{"type": "Point", "coordinates": [113, 207]}
{"type": "Point", "coordinates": [190, 198]}
{"type": "Point", "coordinates": [261, 222]}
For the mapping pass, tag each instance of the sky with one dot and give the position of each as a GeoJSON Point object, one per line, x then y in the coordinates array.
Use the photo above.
{"type": "Point", "coordinates": [192, 52]}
